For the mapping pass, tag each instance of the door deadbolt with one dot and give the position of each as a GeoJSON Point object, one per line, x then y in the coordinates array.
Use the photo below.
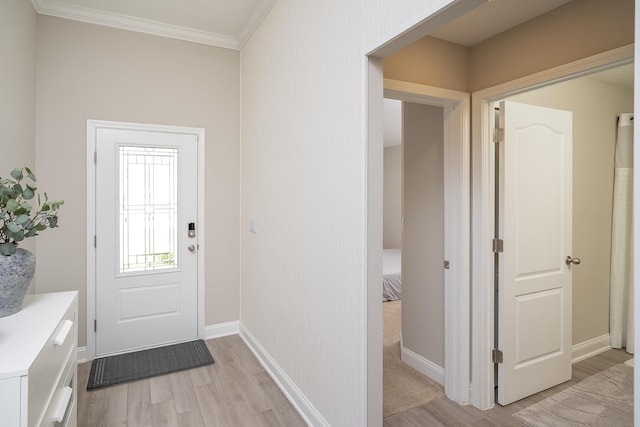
{"type": "Point", "coordinates": [574, 261]}
{"type": "Point", "coordinates": [192, 229]}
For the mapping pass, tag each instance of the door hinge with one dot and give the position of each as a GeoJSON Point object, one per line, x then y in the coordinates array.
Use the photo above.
{"type": "Point", "coordinates": [496, 355]}
{"type": "Point", "coordinates": [95, 241]}
{"type": "Point", "coordinates": [95, 157]}
{"type": "Point", "coordinates": [95, 325]}
{"type": "Point", "coordinates": [498, 245]}
{"type": "Point", "coordinates": [498, 135]}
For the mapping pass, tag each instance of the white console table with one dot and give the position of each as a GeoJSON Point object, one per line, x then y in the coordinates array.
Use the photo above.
{"type": "Point", "coordinates": [38, 353]}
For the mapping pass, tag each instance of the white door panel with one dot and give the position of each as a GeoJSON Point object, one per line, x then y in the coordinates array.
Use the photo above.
{"type": "Point", "coordinates": [534, 303]}
{"type": "Point", "coordinates": [146, 275]}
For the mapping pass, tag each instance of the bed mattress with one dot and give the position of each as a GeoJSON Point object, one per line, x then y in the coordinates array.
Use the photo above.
{"type": "Point", "coordinates": [391, 274]}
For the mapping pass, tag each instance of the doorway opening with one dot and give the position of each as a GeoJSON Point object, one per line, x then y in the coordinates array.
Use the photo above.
{"type": "Point", "coordinates": [581, 77]}
{"type": "Point", "coordinates": [413, 254]}
{"type": "Point", "coordinates": [482, 197]}
{"type": "Point", "coordinates": [433, 236]}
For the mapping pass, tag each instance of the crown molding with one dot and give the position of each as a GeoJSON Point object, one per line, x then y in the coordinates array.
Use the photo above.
{"type": "Point", "coordinates": [108, 19]}
{"type": "Point", "coordinates": [254, 22]}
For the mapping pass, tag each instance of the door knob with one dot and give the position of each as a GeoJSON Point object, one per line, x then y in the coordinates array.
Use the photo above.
{"type": "Point", "coordinates": [570, 261]}
{"type": "Point", "coordinates": [191, 248]}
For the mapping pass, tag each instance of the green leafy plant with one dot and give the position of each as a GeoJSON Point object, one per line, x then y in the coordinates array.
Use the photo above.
{"type": "Point", "coordinates": [22, 211]}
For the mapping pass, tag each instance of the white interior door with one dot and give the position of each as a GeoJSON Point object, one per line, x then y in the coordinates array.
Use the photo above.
{"type": "Point", "coordinates": [534, 285]}
{"type": "Point", "coordinates": [146, 259]}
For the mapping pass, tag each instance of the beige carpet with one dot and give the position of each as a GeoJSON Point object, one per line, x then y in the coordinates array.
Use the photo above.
{"type": "Point", "coordinates": [603, 399]}
{"type": "Point", "coordinates": [404, 387]}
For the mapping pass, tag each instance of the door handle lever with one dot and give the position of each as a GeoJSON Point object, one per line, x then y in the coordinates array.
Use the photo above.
{"type": "Point", "coordinates": [570, 261]}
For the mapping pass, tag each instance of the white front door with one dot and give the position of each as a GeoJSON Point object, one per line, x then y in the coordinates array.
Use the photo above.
{"type": "Point", "coordinates": [146, 258]}
{"type": "Point", "coordinates": [534, 285]}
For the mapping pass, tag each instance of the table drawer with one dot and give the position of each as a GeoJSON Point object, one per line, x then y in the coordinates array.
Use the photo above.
{"type": "Point", "coordinates": [60, 411]}
{"type": "Point", "coordinates": [48, 368]}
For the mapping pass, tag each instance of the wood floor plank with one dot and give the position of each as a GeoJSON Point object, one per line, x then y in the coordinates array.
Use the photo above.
{"type": "Point", "coordinates": [160, 389]}
{"type": "Point", "coordinates": [220, 350]}
{"type": "Point", "coordinates": [83, 397]}
{"type": "Point", "coordinates": [269, 418]}
{"type": "Point", "coordinates": [232, 372]}
{"type": "Point", "coordinates": [238, 414]}
{"type": "Point", "coordinates": [244, 354]}
{"type": "Point", "coordinates": [182, 392]}
{"type": "Point", "coordinates": [445, 412]}
{"type": "Point", "coordinates": [278, 401]}
{"type": "Point", "coordinates": [256, 399]}
{"type": "Point", "coordinates": [139, 404]}
{"type": "Point", "coordinates": [235, 390]}
{"type": "Point", "coordinates": [209, 404]}
{"type": "Point", "coordinates": [412, 418]}
{"type": "Point", "coordinates": [163, 414]}
{"type": "Point", "coordinates": [191, 419]}
{"type": "Point", "coordinates": [107, 406]}
{"type": "Point", "coordinates": [486, 422]}
{"type": "Point", "coordinates": [224, 391]}
{"type": "Point", "coordinates": [200, 376]}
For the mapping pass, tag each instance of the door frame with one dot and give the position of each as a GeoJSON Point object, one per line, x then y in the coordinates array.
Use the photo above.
{"type": "Point", "coordinates": [457, 235]}
{"type": "Point", "coordinates": [483, 179]}
{"type": "Point", "coordinates": [92, 128]}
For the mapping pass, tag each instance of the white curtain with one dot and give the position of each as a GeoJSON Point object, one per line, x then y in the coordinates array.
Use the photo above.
{"type": "Point", "coordinates": [621, 310]}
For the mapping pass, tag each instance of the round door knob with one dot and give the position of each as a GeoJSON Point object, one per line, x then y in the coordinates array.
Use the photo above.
{"type": "Point", "coordinates": [570, 261]}
{"type": "Point", "coordinates": [191, 248]}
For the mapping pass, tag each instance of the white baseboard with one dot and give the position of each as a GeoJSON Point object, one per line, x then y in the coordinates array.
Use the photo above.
{"type": "Point", "coordinates": [83, 356]}
{"type": "Point", "coordinates": [589, 348]}
{"type": "Point", "coordinates": [221, 330]}
{"type": "Point", "coordinates": [299, 401]}
{"type": "Point", "coordinates": [422, 365]}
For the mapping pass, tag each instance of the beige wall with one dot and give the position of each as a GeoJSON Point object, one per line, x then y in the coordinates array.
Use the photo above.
{"type": "Point", "coordinates": [423, 232]}
{"type": "Point", "coordinates": [576, 30]}
{"type": "Point", "coordinates": [392, 198]}
{"type": "Point", "coordinates": [17, 84]}
{"type": "Point", "coordinates": [93, 72]}
{"type": "Point", "coordinates": [595, 106]}
{"type": "Point", "coordinates": [430, 62]}
{"type": "Point", "coordinates": [17, 90]}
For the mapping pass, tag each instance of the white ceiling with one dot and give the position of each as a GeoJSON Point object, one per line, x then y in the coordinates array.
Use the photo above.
{"type": "Point", "coordinates": [619, 76]}
{"type": "Point", "coordinates": [223, 23]}
{"type": "Point", "coordinates": [493, 18]}
{"type": "Point", "coordinates": [229, 23]}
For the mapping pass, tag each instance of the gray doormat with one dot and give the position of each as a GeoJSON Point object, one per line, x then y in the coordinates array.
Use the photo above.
{"type": "Point", "coordinates": [603, 399]}
{"type": "Point", "coordinates": [112, 370]}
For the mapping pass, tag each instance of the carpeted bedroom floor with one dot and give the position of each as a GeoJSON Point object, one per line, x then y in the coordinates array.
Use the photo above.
{"type": "Point", "coordinates": [404, 387]}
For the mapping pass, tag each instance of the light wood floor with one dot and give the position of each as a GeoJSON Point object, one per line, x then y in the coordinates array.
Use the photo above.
{"type": "Point", "coordinates": [234, 391]}
{"type": "Point", "coordinates": [443, 412]}
{"type": "Point", "coordinates": [237, 391]}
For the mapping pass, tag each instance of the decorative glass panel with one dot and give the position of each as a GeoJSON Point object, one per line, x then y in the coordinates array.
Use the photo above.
{"type": "Point", "coordinates": [148, 208]}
